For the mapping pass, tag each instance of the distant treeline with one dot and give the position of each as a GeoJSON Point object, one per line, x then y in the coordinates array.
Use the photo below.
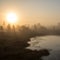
{"type": "Point", "coordinates": [34, 30]}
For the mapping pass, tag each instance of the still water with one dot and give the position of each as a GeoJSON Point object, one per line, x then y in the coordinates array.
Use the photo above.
{"type": "Point", "coordinates": [48, 42]}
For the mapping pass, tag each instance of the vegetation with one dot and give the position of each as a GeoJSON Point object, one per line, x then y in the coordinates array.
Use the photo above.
{"type": "Point", "coordinates": [13, 41]}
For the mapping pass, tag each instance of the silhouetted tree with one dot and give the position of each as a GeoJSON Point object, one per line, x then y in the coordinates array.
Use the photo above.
{"type": "Point", "coordinates": [1, 28]}
{"type": "Point", "coordinates": [13, 28]}
{"type": "Point", "coordinates": [9, 27]}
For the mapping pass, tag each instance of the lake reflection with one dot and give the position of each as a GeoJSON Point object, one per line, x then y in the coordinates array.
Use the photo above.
{"type": "Point", "coordinates": [49, 42]}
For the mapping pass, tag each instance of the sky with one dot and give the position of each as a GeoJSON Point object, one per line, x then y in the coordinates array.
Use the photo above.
{"type": "Point", "coordinates": [46, 12]}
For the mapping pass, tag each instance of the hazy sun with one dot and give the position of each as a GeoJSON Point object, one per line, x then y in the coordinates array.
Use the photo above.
{"type": "Point", "coordinates": [11, 18]}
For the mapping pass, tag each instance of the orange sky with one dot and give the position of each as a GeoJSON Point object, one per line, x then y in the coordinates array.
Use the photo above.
{"type": "Point", "coordinates": [31, 11]}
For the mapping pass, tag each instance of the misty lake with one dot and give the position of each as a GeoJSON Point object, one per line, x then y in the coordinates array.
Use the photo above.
{"type": "Point", "coordinates": [48, 42]}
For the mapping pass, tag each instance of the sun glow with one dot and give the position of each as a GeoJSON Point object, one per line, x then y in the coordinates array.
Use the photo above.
{"type": "Point", "coordinates": [11, 18]}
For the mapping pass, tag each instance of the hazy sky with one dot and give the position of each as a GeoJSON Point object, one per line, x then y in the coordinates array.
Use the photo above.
{"type": "Point", "coordinates": [46, 12]}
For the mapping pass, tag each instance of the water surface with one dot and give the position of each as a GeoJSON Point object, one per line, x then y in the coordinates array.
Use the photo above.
{"type": "Point", "coordinates": [48, 42]}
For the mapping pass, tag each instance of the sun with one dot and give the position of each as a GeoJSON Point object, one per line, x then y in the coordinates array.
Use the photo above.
{"type": "Point", "coordinates": [11, 18]}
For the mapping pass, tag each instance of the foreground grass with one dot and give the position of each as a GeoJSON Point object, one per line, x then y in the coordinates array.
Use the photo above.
{"type": "Point", "coordinates": [13, 47]}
